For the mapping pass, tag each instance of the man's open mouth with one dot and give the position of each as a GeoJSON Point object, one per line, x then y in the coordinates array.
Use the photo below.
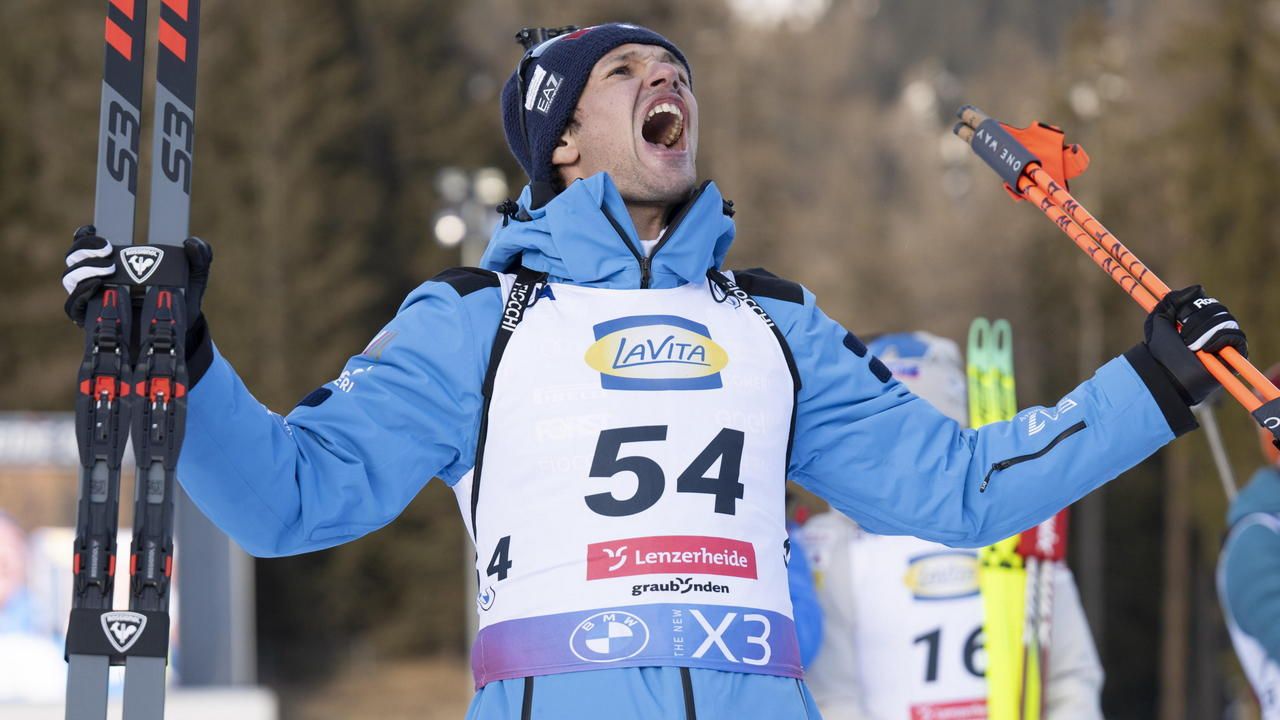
{"type": "Point", "coordinates": [664, 125]}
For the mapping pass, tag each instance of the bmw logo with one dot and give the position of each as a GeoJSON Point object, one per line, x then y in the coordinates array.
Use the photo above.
{"type": "Point", "coordinates": [609, 637]}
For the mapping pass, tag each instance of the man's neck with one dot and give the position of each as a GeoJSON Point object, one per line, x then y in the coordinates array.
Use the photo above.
{"type": "Point", "coordinates": [648, 219]}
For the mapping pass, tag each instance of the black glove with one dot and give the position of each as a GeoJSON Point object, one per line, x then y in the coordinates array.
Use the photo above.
{"type": "Point", "coordinates": [199, 257]}
{"type": "Point", "coordinates": [91, 260]}
{"type": "Point", "coordinates": [1206, 324]}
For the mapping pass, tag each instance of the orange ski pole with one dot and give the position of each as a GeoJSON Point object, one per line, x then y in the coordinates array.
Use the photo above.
{"type": "Point", "coordinates": [1131, 284]}
{"type": "Point", "coordinates": [1060, 197]}
{"type": "Point", "coordinates": [1015, 163]}
{"type": "Point", "coordinates": [1128, 277]}
{"type": "Point", "coordinates": [1023, 170]}
{"type": "Point", "coordinates": [1046, 184]}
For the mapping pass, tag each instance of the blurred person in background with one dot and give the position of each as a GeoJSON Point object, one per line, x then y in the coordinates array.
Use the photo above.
{"type": "Point", "coordinates": [31, 665]}
{"type": "Point", "coordinates": [1249, 577]}
{"type": "Point", "coordinates": [15, 600]}
{"type": "Point", "coordinates": [617, 417]}
{"type": "Point", "coordinates": [903, 616]}
{"type": "Point", "coordinates": [805, 606]}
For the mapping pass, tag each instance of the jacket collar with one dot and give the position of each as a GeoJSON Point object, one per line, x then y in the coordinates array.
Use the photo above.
{"type": "Point", "coordinates": [585, 237]}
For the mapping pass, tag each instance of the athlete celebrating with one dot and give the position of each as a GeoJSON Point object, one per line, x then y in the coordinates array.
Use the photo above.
{"type": "Point", "coordinates": [1249, 578]}
{"type": "Point", "coordinates": [903, 616]}
{"type": "Point", "coordinates": [618, 416]}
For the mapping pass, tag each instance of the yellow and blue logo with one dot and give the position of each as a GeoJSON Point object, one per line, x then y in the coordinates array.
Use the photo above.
{"type": "Point", "coordinates": [946, 575]}
{"type": "Point", "coordinates": [656, 352]}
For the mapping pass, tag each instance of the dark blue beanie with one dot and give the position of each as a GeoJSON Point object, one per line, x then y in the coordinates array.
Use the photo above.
{"type": "Point", "coordinates": [554, 79]}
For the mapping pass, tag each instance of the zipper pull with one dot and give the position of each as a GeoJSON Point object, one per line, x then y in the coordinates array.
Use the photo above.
{"type": "Point", "coordinates": [645, 265]}
{"type": "Point", "coordinates": [1002, 465]}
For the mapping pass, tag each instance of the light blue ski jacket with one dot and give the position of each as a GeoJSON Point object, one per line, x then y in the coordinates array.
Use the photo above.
{"type": "Point", "coordinates": [1251, 564]}
{"type": "Point", "coordinates": [352, 454]}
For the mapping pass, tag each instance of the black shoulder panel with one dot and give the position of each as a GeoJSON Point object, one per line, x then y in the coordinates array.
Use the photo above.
{"type": "Point", "coordinates": [855, 345]}
{"type": "Point", "coordinates": [880, 370]}
{"type": "Point", "coordinates": [466, 280]}
{"type": "Point", "coordinates": [315, 397]}
{"type": "Point", "coordinates": [759, 282]}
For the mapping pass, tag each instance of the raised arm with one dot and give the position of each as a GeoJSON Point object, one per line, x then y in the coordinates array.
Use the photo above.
{"type": "Point", "coordinates": [354, 452]}
{"type": "Point", "coordinates": [896, 465]}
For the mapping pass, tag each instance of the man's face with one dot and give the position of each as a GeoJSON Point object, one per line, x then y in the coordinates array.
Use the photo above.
{"type": "Point", "coordinates": [637, 120]}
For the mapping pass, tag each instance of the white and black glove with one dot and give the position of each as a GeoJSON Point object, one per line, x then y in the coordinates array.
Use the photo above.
{"type": "Point", "coordinates": [1206, 324]}
{"type": "Point", "coordinates": [90, 261]}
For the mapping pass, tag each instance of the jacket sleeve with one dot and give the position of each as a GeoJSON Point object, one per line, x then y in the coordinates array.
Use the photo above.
{"type": "Point", "coordinates": [1252, 585]}
{"type": "Point", "coordinates": [897, 466]}
{"type": "Point", "coordinates": [353, 453]}
{"type": "Point", "coordinates": [1073, 690]}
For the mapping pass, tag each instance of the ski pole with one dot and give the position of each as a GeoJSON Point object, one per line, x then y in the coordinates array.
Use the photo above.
{"type": "Point", "coordinates": [1209, 419]}
{"type": "Point", "coordinates": [1058, 203]}
{"type": "Point", "coordinates": [1129, 282]}
{"type": "Point", "coordinates": [1023, 170]}
{"type": "Point", "coordinates": [1059, 196]}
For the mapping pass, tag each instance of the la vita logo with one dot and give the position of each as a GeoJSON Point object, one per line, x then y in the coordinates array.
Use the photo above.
{"type": "Point", "coordinates": [656, 352]}
{"type": "Point", "coordinates": [943, 575]}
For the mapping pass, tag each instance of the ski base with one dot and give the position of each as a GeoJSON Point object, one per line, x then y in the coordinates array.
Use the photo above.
{"type": "Point", "coordinates": [144, 688]}
{"type": "Point", "coordinates": [87, 677]}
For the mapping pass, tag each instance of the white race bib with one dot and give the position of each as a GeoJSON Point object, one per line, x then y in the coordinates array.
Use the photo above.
{"type": "Point", "coordinates": [630, 503]}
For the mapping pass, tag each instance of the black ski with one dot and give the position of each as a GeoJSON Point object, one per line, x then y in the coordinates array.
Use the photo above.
{"type": "Point", "coordinates": [160, 379]}
{"type": "Point", "coordinates": [133, 377]}
{"type": "Point", "coordinates": [102, 412]}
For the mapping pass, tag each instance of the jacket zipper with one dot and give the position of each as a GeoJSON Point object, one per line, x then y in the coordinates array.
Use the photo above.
{"type": "Point", "coordinates": [686, 682]}
{"type": "Point", "coordinates": [646, 262]}
{"type": "Point", "coordinates": [526, 704]}
{"type": "Point", "coordinates": [803, 705]}
{"type": "Point", "coordinates": [1006, 464]}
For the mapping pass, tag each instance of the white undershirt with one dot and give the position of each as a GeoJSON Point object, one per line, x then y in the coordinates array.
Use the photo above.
{"type": "Point", "coordinates": [649, 245]}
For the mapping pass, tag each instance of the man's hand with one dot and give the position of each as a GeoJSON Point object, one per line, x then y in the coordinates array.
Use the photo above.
{"type": "Point", "coordinates": [92, 259]}
{"type": "Point", "coordinates": [199, 257]}
{"type": "Point", "coordinates": [1205, 324]}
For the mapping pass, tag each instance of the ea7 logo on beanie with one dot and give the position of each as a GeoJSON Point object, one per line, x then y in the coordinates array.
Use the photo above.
{"type": "Point", "coordinates": [542, 90]}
